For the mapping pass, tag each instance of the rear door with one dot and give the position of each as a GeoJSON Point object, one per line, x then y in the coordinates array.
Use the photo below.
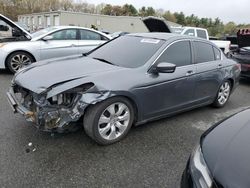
{"type": "Point", "coordinates": [63, 43]}
{"type": "Point", "coordinates": [89, 40]}
{"type": "Point", "coordinates": [209, 70]}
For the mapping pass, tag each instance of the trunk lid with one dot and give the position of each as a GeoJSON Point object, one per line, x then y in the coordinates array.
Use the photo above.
{"type": "Point", "coordinates": [155, 24]}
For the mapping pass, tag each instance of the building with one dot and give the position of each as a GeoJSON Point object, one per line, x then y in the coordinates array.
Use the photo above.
{"type": "Point", "coordinates": [37, 21]}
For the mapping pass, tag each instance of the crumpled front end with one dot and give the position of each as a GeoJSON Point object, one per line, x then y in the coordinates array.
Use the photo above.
{"type": "Point", "coordinates": [57, 113]}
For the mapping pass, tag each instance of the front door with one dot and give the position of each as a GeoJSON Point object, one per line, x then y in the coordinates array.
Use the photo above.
{"type": "Point", "coordinates": [165, 93]}
{"type": "Point", "coordinates": [63, 43]}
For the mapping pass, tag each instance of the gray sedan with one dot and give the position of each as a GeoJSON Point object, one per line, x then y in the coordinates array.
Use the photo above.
{"type": "Point", "coordinates": [128, 81]}
{"type": "Point", "coordinates": [52, 42]}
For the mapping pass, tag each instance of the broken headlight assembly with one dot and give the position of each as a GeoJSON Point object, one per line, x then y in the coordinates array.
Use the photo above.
{"type": "Point", "coordinates": [67, 97]}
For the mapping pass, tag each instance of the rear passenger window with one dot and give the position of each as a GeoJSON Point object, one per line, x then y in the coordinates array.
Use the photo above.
{"type": "Point", "coordinates": [217, 54]}
{"type": "Point", "coordinates": [178, 53]}
{"type": "Point", "coordinates": [201, 33]}
{"type": "Point", "coordinates": [203, 52]}
{"type": "Point", "coordinates": [90, 35]}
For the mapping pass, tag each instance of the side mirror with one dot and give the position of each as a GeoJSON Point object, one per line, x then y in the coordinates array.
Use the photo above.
{"type": "Point", "coordinates": [165, 68]}
{"type": "Point", "coordinates": [48, 37]}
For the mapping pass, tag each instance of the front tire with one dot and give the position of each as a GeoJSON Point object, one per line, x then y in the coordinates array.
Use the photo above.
{"type": "Point", "coordinates": [223, 94]}
{"type": "Point", "coordinates": [17, 60]}
{"type": "Point", "coordinates": [109, 121]}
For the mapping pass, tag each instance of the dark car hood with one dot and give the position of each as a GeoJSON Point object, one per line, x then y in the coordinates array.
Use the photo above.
{"type": "Point", "coordinates": [40, 76]}
{"type": "Point", "coordinates": [226, 151]}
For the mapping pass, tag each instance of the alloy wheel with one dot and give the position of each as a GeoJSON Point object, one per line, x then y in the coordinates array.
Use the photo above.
{"type": "Point", "coordinates": [19, 60]}
{"type": "Point", "coordinates": [114, 121]}
{"type": "Point", "coordinates": [224, 93]}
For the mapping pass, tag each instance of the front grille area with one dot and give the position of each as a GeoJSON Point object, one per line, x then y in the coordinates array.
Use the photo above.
{"type": "Point", "coordinates": [24, 97]}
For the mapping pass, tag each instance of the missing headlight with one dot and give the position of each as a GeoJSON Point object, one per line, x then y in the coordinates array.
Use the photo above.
{"type": "Point", "coordinates": [64, 99]}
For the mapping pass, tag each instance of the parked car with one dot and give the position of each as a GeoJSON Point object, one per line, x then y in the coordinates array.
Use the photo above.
{"type": "Point", "coordinates": [52, 42]}
{"type": "Point", "coordinates": [221, 159]}
{"type": "Point", "coordinates": [130, 80]}
{"type": "Point", "coordinates": [202, 33]}
{"type": "Point", "coordinates": [242, 53]}
{"type": "Point", "coordinates": [10, 31]}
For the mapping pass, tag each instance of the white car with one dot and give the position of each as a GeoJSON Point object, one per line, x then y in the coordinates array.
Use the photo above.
{"type": "Point", "coordinates": [52, 42]}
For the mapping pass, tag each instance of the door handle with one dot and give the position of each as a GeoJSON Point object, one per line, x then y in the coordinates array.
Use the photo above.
{"type": "Point", "coordinates": [73, 45]}
{"type": "Point", "coordinates": [190, 72]}
{"type": "Point", "coordinates": [220, 65]}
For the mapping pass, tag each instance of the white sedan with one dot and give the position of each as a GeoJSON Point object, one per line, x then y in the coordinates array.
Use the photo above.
{"type": "Point", "coordinates": [52, 42]}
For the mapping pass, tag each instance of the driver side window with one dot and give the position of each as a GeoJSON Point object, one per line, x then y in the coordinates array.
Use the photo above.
{"type": "Point", "coordinates": [179, 53]}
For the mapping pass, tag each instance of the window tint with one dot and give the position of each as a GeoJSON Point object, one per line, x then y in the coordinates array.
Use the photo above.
{"type": "Point", "coordinates": [201, 33]}
{"type": "Point", "coordinates": [178, 53]}
{"type": "Point", "coordinates": [203, 52]}
{"type": "Point", "coordinates": [67, 34]}
{"type": "Point", "coordinates": [217, 54]}
{"type": "Point", "coordinates": [128, 51]}
{"type": "Point", "coordinates": [189, 32]}
{"type": "Point", "coordinates": [90, 35]}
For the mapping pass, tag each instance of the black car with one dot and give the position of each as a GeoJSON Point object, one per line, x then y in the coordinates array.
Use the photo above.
{"type": "Point", "coordinates": [221, 160]}
{"type": "Point", "coordinates": [128, 81]}
{"type": "Point", "coordinates": [242, 53]}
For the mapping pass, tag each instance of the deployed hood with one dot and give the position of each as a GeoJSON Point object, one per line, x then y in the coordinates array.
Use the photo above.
{"type": "Point", "coordinates": [243, 37]}
{"type": "Point", "coordinates": [14, 25]}
{"type": "Point", "coordinates": [155, 24]}
{"type": "Point", "coordinates": [226, 151]}
{"type": "Point", "coordinates": [41, 76]}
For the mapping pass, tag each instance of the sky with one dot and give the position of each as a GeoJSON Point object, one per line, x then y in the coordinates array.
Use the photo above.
{"type": "Point", "coordinates": [227, 10]}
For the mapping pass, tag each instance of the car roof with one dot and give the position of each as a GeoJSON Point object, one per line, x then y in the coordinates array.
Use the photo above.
{"type": "Point", "coordinates": [165, 36]}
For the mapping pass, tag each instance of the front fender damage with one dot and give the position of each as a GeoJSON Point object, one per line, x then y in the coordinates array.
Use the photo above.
{"type": "Point", "coordinates": [61, 119]}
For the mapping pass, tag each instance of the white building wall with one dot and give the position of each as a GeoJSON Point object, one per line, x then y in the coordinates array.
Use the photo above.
{"type": "Point", "coordinates": [102, 22]}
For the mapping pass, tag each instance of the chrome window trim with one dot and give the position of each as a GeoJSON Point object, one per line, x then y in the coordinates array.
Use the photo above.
{"type": "Point", "coordinates": [211, 44]}
{"type": "Point", "coordinates": [179, 40]}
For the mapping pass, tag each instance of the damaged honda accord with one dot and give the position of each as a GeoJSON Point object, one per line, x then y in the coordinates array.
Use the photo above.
{"type": "Point", "coordinates": [128, 81]}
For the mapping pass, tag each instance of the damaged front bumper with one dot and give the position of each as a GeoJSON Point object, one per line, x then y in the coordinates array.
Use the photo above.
{"type": "Point", "coordinates": [48, 117]}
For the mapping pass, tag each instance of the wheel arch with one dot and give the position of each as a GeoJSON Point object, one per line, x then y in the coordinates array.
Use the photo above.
{"type": "Point", "coordinates": [129, 98]}
{"type": "Point", "coordinates": [5, 62]}
{"type": "Point", "coordinates": [231, 80]}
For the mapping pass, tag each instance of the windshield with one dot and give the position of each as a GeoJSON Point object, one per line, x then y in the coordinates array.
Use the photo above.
{"type": "Point", "coordinates": [43, 31]}
{"type": "Point", "coordinates": [128, 51]}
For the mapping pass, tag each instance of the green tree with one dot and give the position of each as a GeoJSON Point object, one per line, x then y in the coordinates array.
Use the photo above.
{"type": "Point", "coordinates": [129, 10]}
{"type": "Point", "coordinates": [169, 16]}
{"type": "Point", "coordinates": [230, 28]}
{"type": "Point", "coordinates": [107, 10]}
{"type": "Point", "coordinates": [180, 18]}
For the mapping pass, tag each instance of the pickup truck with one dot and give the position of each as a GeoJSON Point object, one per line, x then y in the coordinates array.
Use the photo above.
{"type": "Point", "coordinates": [202, 33]}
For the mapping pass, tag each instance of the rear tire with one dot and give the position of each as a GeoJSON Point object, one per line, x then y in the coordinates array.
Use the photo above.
{"type": "Point", "coordinates": [223, 94]}
{"type": "Point", "coordinates": [17, 60]}
{"type": "Point", "coordinates": [109, 121]}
